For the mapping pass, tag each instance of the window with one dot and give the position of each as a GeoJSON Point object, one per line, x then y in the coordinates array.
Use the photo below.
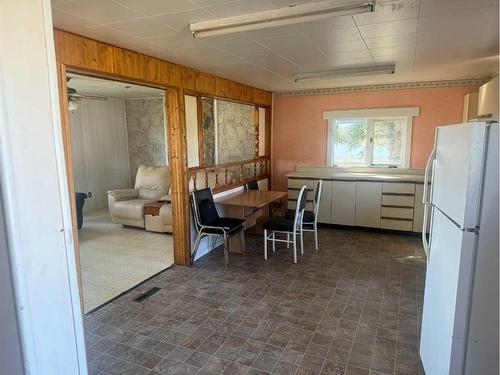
{"type": "Point", "coordinates": [370, 138]}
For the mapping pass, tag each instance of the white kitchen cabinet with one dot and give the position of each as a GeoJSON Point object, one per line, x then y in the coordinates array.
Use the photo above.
{"type": "Point", "coordinates": [325, 206]}
{"type": "Point", "coordinates": [343, 202]}
{"type": "Point", "coordinates": [418, 212]}
{"type": "Point", "coordinates": [368, 202]}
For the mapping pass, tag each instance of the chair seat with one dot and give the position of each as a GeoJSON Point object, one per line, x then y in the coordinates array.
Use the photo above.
{"type": "Point", "coordinates": [229, 224]}
{"type": "Point", "coordinates": [308, 216]}
{"type": "Point", "coordinates": [279, 224]}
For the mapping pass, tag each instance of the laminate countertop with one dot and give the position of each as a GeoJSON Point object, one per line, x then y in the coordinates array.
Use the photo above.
{"type": "Point", "coordinates": [360, 176]}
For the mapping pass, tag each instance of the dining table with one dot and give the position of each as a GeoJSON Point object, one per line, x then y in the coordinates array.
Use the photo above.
{"type": "Point", "coordinates": [249, 205]}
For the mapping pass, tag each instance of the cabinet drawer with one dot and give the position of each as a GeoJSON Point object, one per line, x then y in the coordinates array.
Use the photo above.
{"type": "Point", "coordinates": [398, 187]}
{"type": "Point", "coordinates": [396, 224]}
{"type": "Point", "coordinates": [397, 212]}
{"type": "Point", "coordinates": [294, 194]}
{"type": "Point", "coordinates": [297, 183]}
{"type": "Point", "coordinates": [398, 200]}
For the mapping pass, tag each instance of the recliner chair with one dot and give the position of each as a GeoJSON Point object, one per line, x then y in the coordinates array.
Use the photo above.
{"type": "Point", "coordinates": [152, 184]}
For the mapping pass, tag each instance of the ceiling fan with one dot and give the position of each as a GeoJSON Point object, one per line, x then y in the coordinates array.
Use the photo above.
{"type": "Point", "coordinates": [74, 97]}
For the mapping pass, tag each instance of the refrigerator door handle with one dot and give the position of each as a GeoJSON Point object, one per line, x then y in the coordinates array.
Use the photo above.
{"type": "Point", "coordinates": [427, 203]}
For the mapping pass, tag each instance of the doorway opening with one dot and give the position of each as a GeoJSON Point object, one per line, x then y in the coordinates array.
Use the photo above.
{"type": "Point", "coordinates": [122, 185]}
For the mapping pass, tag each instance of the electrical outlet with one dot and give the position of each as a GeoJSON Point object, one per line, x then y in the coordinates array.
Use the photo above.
{"type": "Point", "coordinates": [89, 194]}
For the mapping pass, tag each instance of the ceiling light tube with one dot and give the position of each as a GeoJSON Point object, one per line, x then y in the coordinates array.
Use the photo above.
{"type": "Point", "coordinates": [346, 72]}
{"type": "Point", "coordinates": [279, 17]}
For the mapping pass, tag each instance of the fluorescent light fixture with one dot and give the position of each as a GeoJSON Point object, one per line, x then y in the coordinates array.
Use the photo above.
{"type": "Point", "coordinates": [279, 17]}
{"type": "Point", "coordinates": [370, 70]}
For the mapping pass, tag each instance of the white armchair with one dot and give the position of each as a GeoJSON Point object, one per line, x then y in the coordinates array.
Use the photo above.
{"type": "Point", "coordinates": [152, 184]}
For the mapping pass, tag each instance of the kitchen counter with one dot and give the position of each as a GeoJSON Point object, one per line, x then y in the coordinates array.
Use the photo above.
{"type": "Point", "coordinates": [374, 197]}
{"type": "Point", "coordinates": [360, 176]}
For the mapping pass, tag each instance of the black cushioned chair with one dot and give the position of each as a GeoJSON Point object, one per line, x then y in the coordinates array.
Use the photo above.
{"type": "Point", "coordinates": [209, 223]}
{"type": "Point", "coordinates": [289, 227]}
{"type": "Point", "coordinates": [310, 220]}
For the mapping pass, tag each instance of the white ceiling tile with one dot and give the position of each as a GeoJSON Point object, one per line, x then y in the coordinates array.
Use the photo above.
{"type": "Point", "coordinates": [286, 42]}
{"type": "Point", "coordinates": [392, 10]}
{"type": "Point", "coordinates": [442, 7]}
{"type": "Point", "coordinates": [349, 55]}
{"type": "Point", "coordinates": [237, 8]}
{"type": "Point", "coordinates": [320, 36]}
{"type": "Point", "coordinates": [272, 32]}
{"type": "Point", "coordinates": [392, 41]}
{"type": "Point", "coordinates": [341, 47]}
{"type": "Point", "coordinates": [143, 27]}
{"type": "Point", "coordinates": [244, 48]}
{"type": "Point", "coordinates": [99, 11]}
{"type": "Point", "coordinates": [156, 7]}
{"type": "Point", "coordinates": [327, 25]}
{"type": "Point", "coordinates": [208, 3]}
{"type": "Point", "coordinates": [391, 51]}
{"type": "Point", "coordinates": [181, 20]}
{"type": "Point", "coordinates": [223, 40]}
{"type": "Point", "coordinates": [379, 30]}
{"type": "Point", "coordinates": [179, 40]}
{"type": "Point", "coordinates": [68, 21]}
{"type": "Point", "coordinates": [454, 38]}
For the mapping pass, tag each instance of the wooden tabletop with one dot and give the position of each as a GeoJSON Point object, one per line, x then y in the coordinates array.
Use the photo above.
{"type": "Point", "coordinates": [251, 198]}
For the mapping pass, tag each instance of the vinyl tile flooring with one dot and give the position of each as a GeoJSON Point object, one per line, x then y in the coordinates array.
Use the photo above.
{"type": "Point", "coordinates": [353, 307]}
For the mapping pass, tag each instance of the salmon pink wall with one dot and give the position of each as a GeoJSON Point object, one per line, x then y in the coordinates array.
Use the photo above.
{"type": "Point", "coordinates": [299, 131]}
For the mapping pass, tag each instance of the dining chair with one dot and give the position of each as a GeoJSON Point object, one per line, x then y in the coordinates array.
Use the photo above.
{"type": "Point", "coordinates": [310, 219]}
{"type": "Point", "coordinates": [275, 206]}
{"type": "Point", "coordinates": [291, 228]}
{"type": "Point", "coordinates": [209, 223]}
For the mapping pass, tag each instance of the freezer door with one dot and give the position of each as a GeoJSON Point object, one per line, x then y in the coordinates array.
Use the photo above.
{"type": "Point", "coordinates": [446, 297]}
{"type": "Point", "coordinates": [456, 185]}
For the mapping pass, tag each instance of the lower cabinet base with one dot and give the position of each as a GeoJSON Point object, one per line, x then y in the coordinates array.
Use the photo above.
{"type": "Point", "coordinates": [381, 229]}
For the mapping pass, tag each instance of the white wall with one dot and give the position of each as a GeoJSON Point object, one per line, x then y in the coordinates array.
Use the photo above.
{"type": "Point", "coordinates": [35, 194]}
{"type": "Point", "coordinates": [191, 113]}
{"type": "Point", "coordinates": [100, 149]}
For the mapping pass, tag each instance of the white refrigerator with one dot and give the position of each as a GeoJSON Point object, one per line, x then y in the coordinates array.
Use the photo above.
{"type": "Point", "coordinates": [459, 332]}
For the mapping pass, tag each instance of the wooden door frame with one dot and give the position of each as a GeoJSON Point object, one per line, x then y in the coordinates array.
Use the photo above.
{"type": "Point", "coordinates": [177, 156]}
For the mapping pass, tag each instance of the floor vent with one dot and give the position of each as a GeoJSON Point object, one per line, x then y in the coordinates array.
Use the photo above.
{"type": "Point", "coordinates": [148, 293]}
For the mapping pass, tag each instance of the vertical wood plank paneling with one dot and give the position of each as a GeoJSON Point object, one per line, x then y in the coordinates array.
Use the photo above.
{"type": "Point", "coordinates": [66, 135]}
{"type": "Point", "coordinates": [105, 58]}
{"type": "Point", "coordinates": [177, 156]}
{"type": "Point", "coordinates": [79, 52]}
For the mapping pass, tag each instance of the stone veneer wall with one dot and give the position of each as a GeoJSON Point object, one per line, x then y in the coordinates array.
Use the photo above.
{"type": "Point", "coordinates": [146, 133]}
{"type": "Point", "coordinates": [236, 131]}
{"type": "Point", "coordinates": [207, 105]}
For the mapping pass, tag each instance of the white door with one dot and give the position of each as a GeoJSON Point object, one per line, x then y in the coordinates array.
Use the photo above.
{"type": "Point", "coordinates": [456, 185]}
{"type": "Point", "coordinates": [446, 297]}
{"type": "Point", "coordinates": [368, 202]}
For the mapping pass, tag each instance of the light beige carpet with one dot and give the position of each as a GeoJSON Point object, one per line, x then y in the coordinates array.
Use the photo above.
{"type": "Point", "coordinates": [115, 258]}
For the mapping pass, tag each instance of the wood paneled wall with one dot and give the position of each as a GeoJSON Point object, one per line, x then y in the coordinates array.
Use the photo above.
{"type": "Point", "coordinates": [81, 54]}
{"type": "Point", "coordinates": [88, 54]}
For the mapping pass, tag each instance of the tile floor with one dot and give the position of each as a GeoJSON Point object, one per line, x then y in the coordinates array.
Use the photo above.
{"type": "Point", "coordinates": [351, 308]}
{"type": "Point", "coordinates": [115, 258]}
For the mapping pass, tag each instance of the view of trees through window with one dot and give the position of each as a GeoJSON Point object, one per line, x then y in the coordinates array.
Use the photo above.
{"type": "Point", "coordinates": [366, 142]}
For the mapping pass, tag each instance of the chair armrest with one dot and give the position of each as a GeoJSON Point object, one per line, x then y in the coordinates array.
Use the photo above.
{"type": "Point", "coordinates": [123, 194]}
{"type": "Point", "coordinates": [166, 198]}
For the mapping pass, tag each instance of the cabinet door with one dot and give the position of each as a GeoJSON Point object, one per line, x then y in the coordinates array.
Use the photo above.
{"type": "Point", "coordinates": [343, 202]}
{"type": "Point", "coordinates": [325, 204]}
{"type": "Point", "coordinates": [418, 212]}
{"type": "Point", "coordinates": [368, 201]}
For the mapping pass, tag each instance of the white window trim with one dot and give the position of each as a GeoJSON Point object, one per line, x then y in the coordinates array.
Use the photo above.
{"type": "Point", "coordinates": [406, 112]}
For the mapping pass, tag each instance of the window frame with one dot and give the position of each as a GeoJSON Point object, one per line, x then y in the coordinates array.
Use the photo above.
{"type": "Point", "coordinates": [371, 115]}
